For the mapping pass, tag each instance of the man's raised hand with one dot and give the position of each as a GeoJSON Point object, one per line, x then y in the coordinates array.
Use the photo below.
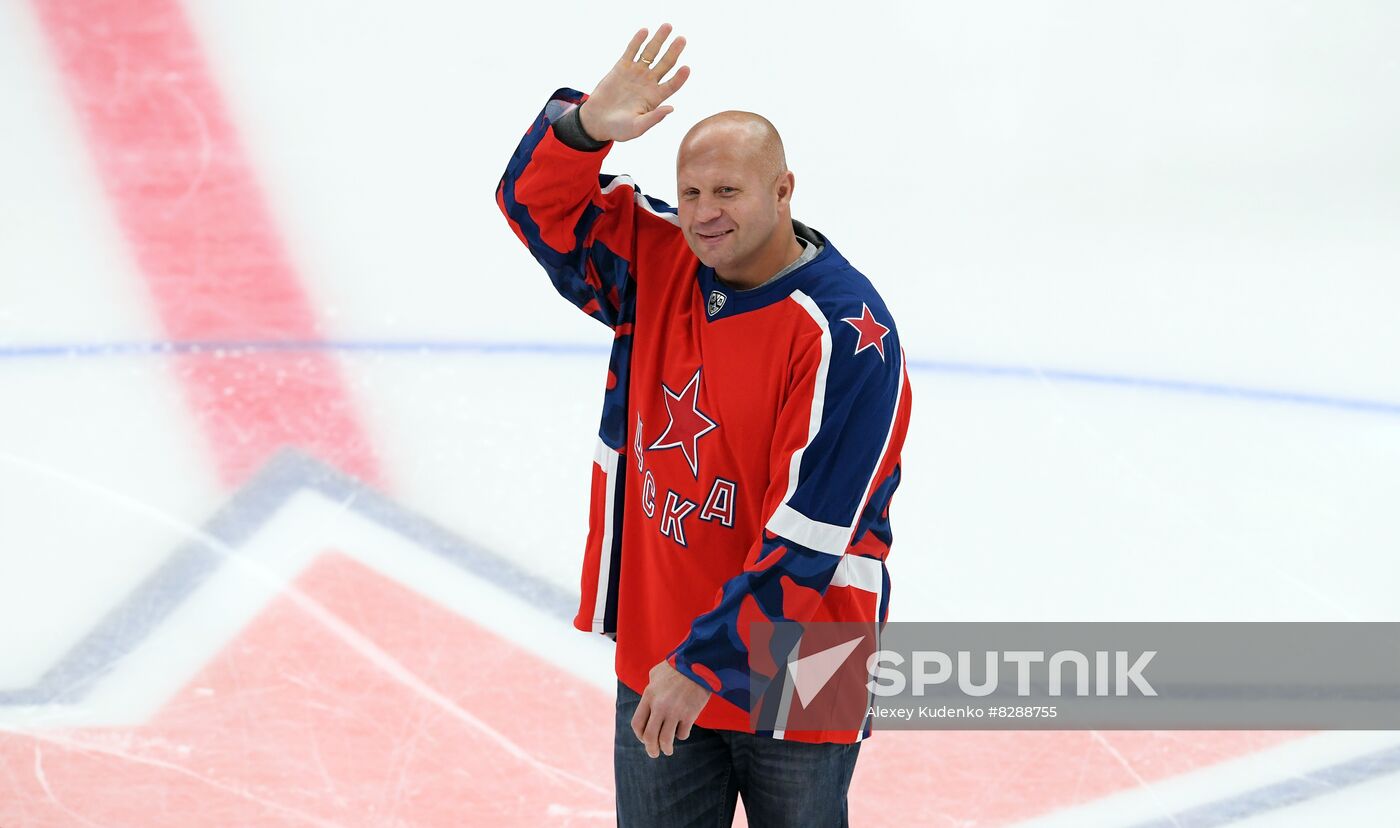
{"type": "Point", "coordinates": [627, 101]}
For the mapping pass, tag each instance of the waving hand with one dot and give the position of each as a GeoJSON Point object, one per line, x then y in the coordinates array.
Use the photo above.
{"type": "Point", "coordinates": [627, 101]}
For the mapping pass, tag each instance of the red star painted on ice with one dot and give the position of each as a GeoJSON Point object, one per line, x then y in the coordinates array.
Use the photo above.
{"type": "Point", "coordinates": [688, 424]}
{"type": "Point", "coordinates": [872, 333]}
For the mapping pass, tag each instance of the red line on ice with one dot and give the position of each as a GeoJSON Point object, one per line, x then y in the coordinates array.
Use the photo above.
{"type": "Point", "coordinates": [200, 230]}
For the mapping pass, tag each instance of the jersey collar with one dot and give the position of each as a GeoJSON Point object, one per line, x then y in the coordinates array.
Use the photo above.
{"type": "Point", "coordinates": [721, 301]}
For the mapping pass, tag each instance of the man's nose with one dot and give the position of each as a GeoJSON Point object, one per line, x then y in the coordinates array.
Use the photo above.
{"type": "Point", "coordinates": [706, 210]}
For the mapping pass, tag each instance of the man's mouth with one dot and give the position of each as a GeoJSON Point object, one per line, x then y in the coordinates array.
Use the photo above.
{"type": "Point", "coordinates": [708, 237]}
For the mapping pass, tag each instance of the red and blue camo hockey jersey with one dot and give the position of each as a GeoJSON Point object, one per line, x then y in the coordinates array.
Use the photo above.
{"type": "Point", "coordinates": [750, 440]}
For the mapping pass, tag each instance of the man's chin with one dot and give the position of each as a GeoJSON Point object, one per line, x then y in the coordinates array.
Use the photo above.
{"type": "Point", "coordinates": [705, 258]}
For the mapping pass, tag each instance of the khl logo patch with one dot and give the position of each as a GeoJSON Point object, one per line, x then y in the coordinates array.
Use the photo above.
{"type": "Point", "coordinates": [717, 301]}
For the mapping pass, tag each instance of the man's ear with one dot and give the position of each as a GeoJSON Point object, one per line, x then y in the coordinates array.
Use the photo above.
{"type": "Point", "coordinates": [786, 183]}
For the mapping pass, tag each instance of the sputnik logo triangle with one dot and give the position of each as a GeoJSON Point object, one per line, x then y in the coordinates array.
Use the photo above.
{"type": "Point", "coordinates": [810, 673]}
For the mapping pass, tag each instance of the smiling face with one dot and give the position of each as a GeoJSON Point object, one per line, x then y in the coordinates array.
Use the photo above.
{"type": "Point", "coordinates": [734, 197]}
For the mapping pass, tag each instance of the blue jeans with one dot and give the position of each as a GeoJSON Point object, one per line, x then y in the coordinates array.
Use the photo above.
{"type": "Point", "coordinates": [783, 783]}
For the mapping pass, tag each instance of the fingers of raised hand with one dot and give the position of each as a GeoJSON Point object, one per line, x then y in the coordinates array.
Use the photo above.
{"type": "Point", "coordinates": [630, 53]}
{"type": "Point", "coordinates": [648, 57]}
{"type": "Point", "coordinates": [632, 93]}
{"type": "Point", "coordinates": [677, 80]}
{"type": "Point", "coordinates": [653, 47]}
{"type": "Point", "coordinates": [662, 66]}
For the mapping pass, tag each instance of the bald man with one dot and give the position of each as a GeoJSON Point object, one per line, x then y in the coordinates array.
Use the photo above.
{"type": "Point", "coordinates": [754, 413]}
{"type": "Point", "coordinates": [750, 240]}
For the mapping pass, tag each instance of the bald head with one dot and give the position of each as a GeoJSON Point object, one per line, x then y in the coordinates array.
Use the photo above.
{"type": "Point", "coordinates": [735, 197]}
{"type": "Point", "coordinates": [748, 136]}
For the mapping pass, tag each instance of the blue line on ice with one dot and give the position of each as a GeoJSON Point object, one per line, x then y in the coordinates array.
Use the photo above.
{"type": "Point", "coordinates": [1030, 372]}
{"type": "Point", "coordinates": [1290, 791]}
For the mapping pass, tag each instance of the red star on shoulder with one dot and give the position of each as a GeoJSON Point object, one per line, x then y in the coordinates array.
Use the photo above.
{"type": "Point", "coordinates": [872, 333]}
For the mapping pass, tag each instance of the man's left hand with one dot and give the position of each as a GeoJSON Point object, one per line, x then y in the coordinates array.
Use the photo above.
{"type": "Point", "coordinates": [669, 706]}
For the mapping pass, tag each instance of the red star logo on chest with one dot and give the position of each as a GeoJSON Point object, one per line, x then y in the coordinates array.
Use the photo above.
{"type": "Point", "coordinates": [687, 422]}
{"type": "Point", "coordinates": [872, 333]}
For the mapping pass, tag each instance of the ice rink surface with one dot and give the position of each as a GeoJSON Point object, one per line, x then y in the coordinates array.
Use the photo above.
{"type": "Point", "coordinates": [295, 441]}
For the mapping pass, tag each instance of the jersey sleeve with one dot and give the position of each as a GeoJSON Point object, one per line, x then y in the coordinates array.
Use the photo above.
{"type": "Point", "coordinates": [835, 462]}
{"type": "Point", "coordinates": [582, 226]}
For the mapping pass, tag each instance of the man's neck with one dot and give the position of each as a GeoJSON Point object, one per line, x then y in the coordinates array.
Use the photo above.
{"type": "Point", "coordinates": [785, 252]}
